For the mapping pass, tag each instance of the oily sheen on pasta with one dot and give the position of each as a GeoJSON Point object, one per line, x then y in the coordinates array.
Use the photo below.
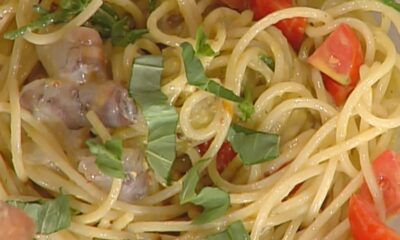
{"type": "Point", "coordinates": [70, 97]}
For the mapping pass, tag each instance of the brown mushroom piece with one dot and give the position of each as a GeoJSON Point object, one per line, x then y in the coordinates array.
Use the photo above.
{"type": "Point", "coordinates": [68, 102]}
{"type": "Point", "coordinates": [78, 57]}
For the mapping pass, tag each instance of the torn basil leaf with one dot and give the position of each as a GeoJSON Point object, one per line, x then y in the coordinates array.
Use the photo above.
{"type": "Point", "coordinates": [152, 5]}
{"type": "Point", "coordinates": [161, 117]}
{"type": "Point", "coordinates": [50, 216]}
{"type": "Point", "coordinates": [110, 25]}
{"type": "Point", "coordinates": [202, 47]}
{"type": "Point", "coordinates": [269, 61]}
{"type": "Point", "coordinates": [66, 11]}
{"type": "Point", "coordinates": [246, 107]}
{"type": "Point", "coordinates": [392, 3]}
{"type": "Point", "coordinates": [214, 201]}
{"type": "Point", "coordinates": [195, 75]}
{"type": "Point", "coordinates": [253, 146]}
{"type": "Point", "coordinates": [121, 35]}
{"type": "Point", "coordinates": [235, 231]}
{"type": "Point", "coordinates": [103, 20]}
{"type": "Point", "coordinates": [108, 157]}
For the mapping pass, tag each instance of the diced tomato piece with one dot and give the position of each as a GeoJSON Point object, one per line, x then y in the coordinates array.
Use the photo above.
{"type": "Point", "coordinates": [225, 154]}
{"type": "Point", "coordinates": [338, 92]}
{"type": "Point", "coordinates": [363, 217]}
{"type": "Point", "coordinates": [365, 223]}
{"type": "Point", "coordinates": [202, 148]}
{"type": "Point", "coordinates": [236, 4]}
{"type": "Point", "coordinates": [15, 224]}
{"type": "Point", "coordinates": [293, 28]}
{"type": "Point", "coordinates": [339, 59]}
{"type": "Point", "coordinates": [387, 172]}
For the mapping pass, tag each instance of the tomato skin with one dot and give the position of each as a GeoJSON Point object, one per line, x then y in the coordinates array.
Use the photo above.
{"type": "Point", "coordinates": [364, 220]}
{"type": "Point", "coordinates": [365, 223]}
{"type": "Point", "coordinates": [293, 29]}
{"type": "Point", "coordinates": [236, 4]}
{"type": "Point", "coordinates": [225, 154]}
{"type": "Point", "coordinates": [387, 172]}
{"type": "Point", "coordinates": [338, 92]}
{"type": "Point", "coordinates": [339, 58]}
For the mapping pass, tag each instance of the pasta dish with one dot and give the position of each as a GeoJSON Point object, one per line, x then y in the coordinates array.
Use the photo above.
{"type": "Point", "coordinates": [199, 119]}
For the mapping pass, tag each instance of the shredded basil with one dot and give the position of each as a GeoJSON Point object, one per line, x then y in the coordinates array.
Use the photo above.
{"type": "Point", "coordinates": [392, 3]}
{"type": "Point", "coordinates": [235, 231]}
{"type": "Point", "coordinates": [50, 216]}
{"type": "Point", "coordinates": [67, 10]}
{"type": "Point", "coordinates": [246, 107]}
{"type": "Point", "coordinates": [108, 157]}
{"type": "Point", "coordinates": [161, 117]}
{"type": "Point", "coordinates": [269, 61]}
{"type": "Point", "coordinates": [152, 5]}
{"type": "Point", "coordinates": [202, 47]}
{"type": "Point", "coordinates": [252, 146]}
{"type": "Point", "coordinates": [196, 76]}
{"type": "Point", "coordinates": [214, 201]}
{"type": "Point", "coordinates": [110, 25]}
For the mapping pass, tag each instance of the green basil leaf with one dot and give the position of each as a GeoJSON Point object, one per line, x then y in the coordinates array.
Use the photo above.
{"type": "Point", "coordinates": [152, 5]}
{"type": "Point", "coordinates": [235, 231]}
{"type": "Point", "coordinates": [41, 22]}
{"type": "Point", "coordinates": [104, 19]}
{"type": "Point", "coordinates": [246, 107]}
{"type": "Point", "coordinates": [195, 75]}
{"type": "Point", "coordinates": [188, 192]}
{"type": "Point", "coordinates": [252, 146]}
{"type": "Point", "coordinates": [108, 157]}
{"type": "Point", "coordinates": [50, 216]}
{"type": "Point", "coordinates": [202, 47]}
{"type": "Point", "coordinates": [214, 201]}
{"type": "Point", "coordinates": [122, 36]}
{"type": "Point", "coordinates": [73, 7]}
{"type": "Point", "coordinates": [68, 9]}
{"type": "Point", "coordinates": [392, 3]}
{"type": "Point", "coordinates": [110, 25]}
{"type": "Point", "coordinates": [269, 61]}
{"type": "Point", "coordinates": [161, 117]}
{"type": "Point", "coordinates": [40, 10]}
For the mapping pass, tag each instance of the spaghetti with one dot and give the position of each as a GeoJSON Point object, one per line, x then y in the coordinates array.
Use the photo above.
{"type": "Point", "coordinates": [326, 151]}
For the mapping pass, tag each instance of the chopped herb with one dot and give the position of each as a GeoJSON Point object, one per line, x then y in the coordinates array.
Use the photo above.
{"type": "Point", "coordinates": [161, 117]}
{"type": "Point", "coordinates": [110, 25]}
{"type": "Point", "coordinates": [50, 216]}
{"type": "Point", "coordinates": [214, 201]}
{"type": "Point", "coordinates": [66, 11]}
{"type": "Point", "coordinates": [152, 5]}
{"type": "Point", "coordinates": [103, 20]}
{"type": "Point", "coordinates": [108, 157]}
{"type": "Point", "coordinates": [392, 3]}
{"type": "Point", "coordinates": [40, 10]}
{"type": "Point", "coordinates": [235, 231]}
{"type": "Point", "coordinates": [269, 61]}
{"type": "Point", "coordinates": [122, 36]}
{"type": "Point", "coordinates": [246, 107]}
{"type": "Point", "coordinates": [196, 76]}
{"type": "Point", "coordinates": [202, 47]}
{"type": "Point", "coordinates": [252, 146]}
